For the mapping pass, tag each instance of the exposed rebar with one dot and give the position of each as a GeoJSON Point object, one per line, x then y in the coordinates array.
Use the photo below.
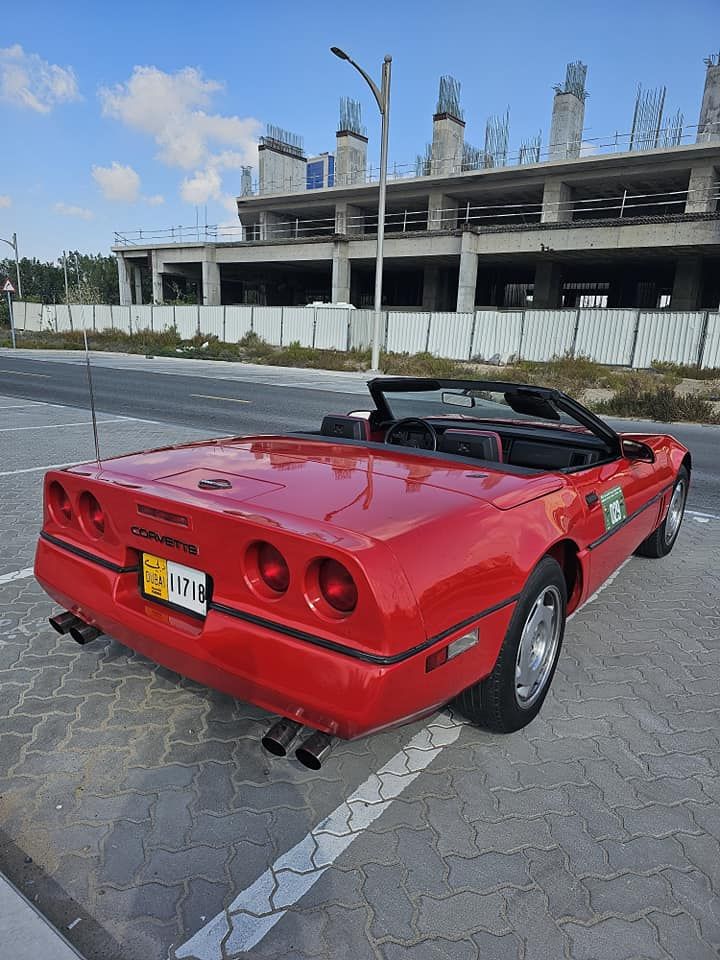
{"type": "Point", "coordinates": [448, 100]}
{"type": "Point", "coordinates": [351, 116]}
{"type": "Point", "coordinates": [575, 76]}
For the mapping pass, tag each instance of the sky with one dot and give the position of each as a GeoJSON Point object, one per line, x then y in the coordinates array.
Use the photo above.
{"type": "Point", "coordinates": [140, 115]}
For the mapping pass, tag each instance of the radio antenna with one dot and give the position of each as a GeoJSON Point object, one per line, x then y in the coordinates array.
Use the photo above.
{"type": "Point", "coordinates": [92, 401]}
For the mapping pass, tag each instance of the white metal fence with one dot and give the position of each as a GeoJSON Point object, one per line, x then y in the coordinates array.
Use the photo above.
{"type": "Point", "coordinates": [626, 337]}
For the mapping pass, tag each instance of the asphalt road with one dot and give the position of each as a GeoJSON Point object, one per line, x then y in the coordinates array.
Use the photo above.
{"type": "Point", "coordinates": [248, 399]}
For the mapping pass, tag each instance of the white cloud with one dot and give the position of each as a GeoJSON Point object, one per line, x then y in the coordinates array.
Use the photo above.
{"type": "Point", "coordinates": [156, 200]}
{"type": "Point", "coordinates": [70, 210]}
{"type": "Point", "coordinates": [202, 186]}
{"type": "Point", "coordinates": [170, 107]}
{"type": "Point", "coordinates": [27, 80]}
{"type": "Point", "coordinates": [117, 182]}
{"type": "Point", "coordinates": [5, 201]}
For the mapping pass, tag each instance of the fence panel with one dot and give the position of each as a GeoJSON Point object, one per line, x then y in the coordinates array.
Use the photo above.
{"type": "Point", "coordinates": [331, 328]}
{"type": "Point", "coordinates": [670, 336]}
{"type": "Point", "coordinates": [141, 317]}
{"type": "Point", "coordinates": [238, 322]}
{"type": "Point", "coordinates": [61, 318]}
{"type": "Point", "coordinates": [186, 321]}
{"type": "Point", "coordinates": [497, 333]}
{"type": "Point", "coordinates": [408, 332]}
{"type": "Point", "coordinates": [211, 321]}
{"type": "Point", "coordinates": [711, 350]}
{"type": "Point", "coordinates": [547, 333]}
{"type": "Point", "coordinates": [297, 325]}
{"type": "Point", "coordinates": [267, 324]}
{"type": "Point", "coordinates": [120, 318]}
{"type": "Point", "coordinates": [450, 335]}
{"type": "Point", "coordinates": [606, 336]}
{"type": "Point", "coordinates": [163, 318]}
{"type": "Point", "coordinates": [103, 316]}
{"type": "Point", "coordinates": [361, 325]}
{"type": "Point", "coordinates": [19, 309]}
{"type": "Point", "coordinates": [33, 317]}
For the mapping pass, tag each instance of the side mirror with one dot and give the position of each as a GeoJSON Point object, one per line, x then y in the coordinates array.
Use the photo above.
{"type": "Point", "coordinates": [362, 414]}
{"type": "Point", "coordinates": [635, 450]}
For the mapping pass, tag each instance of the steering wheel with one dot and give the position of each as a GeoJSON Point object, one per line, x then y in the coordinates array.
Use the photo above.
{"type": "Point", "coordinates": [427, 442]}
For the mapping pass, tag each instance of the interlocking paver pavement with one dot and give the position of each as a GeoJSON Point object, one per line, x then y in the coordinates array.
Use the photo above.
{"type": "Point", "coordinates": [143, 803]}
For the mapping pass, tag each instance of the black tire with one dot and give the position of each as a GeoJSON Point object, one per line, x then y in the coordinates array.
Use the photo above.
{"type": "Point", "coordinates": [662, 539]}
{"type": "Point", "coordinates": [496, 703]}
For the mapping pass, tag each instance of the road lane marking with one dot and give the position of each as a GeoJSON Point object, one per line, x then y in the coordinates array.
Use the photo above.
{"type": "Point", "coordinates": [53, 426]}
{"type": "Point", "coordinates": [21, 373]}
{"type": "Point", "coordinates": [48, 466]}
{"type": "Point", "coordinates": [16, 575]}
{"type": "Point", "coordinates": [707, 516]}
{"type": "Point", "coordinates": [207, 396]}
{"type": "Point", "coordinates": [255, 911]}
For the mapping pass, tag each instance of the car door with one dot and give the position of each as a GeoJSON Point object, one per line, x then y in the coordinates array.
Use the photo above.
{"type": "Point", "coordinates": [621, 508]}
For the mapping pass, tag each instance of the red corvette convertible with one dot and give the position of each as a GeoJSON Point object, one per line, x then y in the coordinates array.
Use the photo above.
{"type": "Point", "coordinates": [365, 574]}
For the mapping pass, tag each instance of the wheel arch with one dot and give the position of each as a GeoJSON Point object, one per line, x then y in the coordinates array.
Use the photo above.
{"type": "Point", "coordinates": [567, 553]}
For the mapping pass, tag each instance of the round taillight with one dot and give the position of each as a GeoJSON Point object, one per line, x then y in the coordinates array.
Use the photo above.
{"type": "Point", "coordinates": [337, 586]}
{"type": "Point", "coordinates": [92, 515]}
{"type": "Point", "coordinates": [59, 503]}
{"type": "Point", "coordinates": [273, 567]}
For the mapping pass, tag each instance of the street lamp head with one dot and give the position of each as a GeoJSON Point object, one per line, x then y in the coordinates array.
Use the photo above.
{"type": "Point", "coordinates": [339, 53]}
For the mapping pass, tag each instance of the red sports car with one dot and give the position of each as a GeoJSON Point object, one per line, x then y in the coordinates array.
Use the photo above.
{"type": "Point", "coordinates": [365, 574]}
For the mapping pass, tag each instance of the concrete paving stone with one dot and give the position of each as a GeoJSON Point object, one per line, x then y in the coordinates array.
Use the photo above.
{"type": "Point", "coordinates": [565, 894]}
{"type": "Point", "coordinates": [155, 900]}
{"type": "Point", "coordinates": [342, 887]}
{"type": "Point", "coordinates": [678, 765]}
{"type": "Point", "coordinates": [425, 869]}
{"type": "Point", "coordinates": [455, 834]}
{"type": "Point", "coordinates": [657, 820]}
{"type": "Point", "coordinates": [693, 892]}
{"type": "Point", "coordinates": [629, 894]}
{"type": "Point", "coordinates": [144, 780]}
{"type": "Point", "coordinates": [438, 949]}
{"type": "Point", "coordinates": [462, 914]}
{"type": "Point", "coordinates": [513, 833]}
{"type": "Point", "coordinates": [679, 937]}
{"type": "Point", "coordinates": [643, 854]}
{"type": "Point", "coordinates": [123, 853]}
{"type": "Point", "coordinates": [133, 807]}
{"type": "Point", "coordinates": [171, 815]}
{"type": "Point", "coordinates": [612, 780]}
{"type": "Point", "coordinates": [173, 866]}
{"type": "Point", "coordinates": [530, 920]}
{"type": "Point", "coordinates": [568, 748]}
{"type": "Point", "coordinates": [585, 855]}
{"type": "Point", "coordinates": [344, 933]}
{"type": "Point", "coordinates": [599, 816]}
{"type": "Point", "coordinates": [616, 938]}
{"type": "Point", "coordinates": [670, 790]}
{"type": "Point", "coordinates": [532, 802]}
{"type": "Point", "coordinates": [703, 741]}
{"type": "Point", "coordinates": [487, 872]}
{"type": "Point", "coordinates": [299, 934]}
{"type": "Point", "coordinates": [391, 906]}
{"type": "Point", "coordinates": [551, 773]}
{"type": "Point", "coordinates": [202, 900]}
{"type": "Point", "coordinates": [211, 830]}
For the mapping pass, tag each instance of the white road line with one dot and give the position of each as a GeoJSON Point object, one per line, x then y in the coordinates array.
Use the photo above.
{"type": "Point", "coordinates": [15, 575]}
{"type": "Point", "coordinates": [17, 406]}
{"type": "Point", "coordinates": [20, 373]}
{"type": "Point", "coordinates": [707, 516]}
{"type": "Point", "coordinates": [255, 911]}
{"type": "Point", "coordinates": [53, 426]}
{"type": "Point", "coordinates": [47, 466]}
{"type": "Point", "coordinates": [207, 396]}
{"type": "Point", "coordinates": [258, 908]}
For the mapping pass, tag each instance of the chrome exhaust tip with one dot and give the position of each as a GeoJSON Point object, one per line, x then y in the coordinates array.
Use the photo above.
{"type": "Point", "coordinates": [280, 736]}
{"type": "Point", "coordinates": [313, 751]}
{"type": "Point", "coordinates": [64, 622]}
{"type": "Point", "coordinates": [83, 633]}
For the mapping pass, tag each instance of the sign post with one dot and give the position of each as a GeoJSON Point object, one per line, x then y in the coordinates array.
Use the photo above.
{"type": "Point", "coordinates": [9, 289]}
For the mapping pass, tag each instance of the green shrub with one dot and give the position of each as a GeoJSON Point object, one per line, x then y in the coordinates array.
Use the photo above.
{"type": "Point", "coordinates": [660, 403]}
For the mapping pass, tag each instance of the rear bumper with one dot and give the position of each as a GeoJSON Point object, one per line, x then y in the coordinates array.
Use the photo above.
{"type": "Point", "coordinates": [321, 688]}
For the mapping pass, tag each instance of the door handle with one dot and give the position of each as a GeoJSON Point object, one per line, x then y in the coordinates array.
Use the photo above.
{"type": "Point", "coordinates": [591, 499]}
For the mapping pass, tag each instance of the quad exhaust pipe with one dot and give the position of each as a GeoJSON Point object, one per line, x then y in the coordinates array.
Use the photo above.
{"type": "Point", "coordinates": [80, 631]}
{"type": "Point", "coordinates": [311, 753]}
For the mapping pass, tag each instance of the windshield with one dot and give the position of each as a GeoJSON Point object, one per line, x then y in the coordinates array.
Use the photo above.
{"type": "Point", "coordinates": [478, 404]}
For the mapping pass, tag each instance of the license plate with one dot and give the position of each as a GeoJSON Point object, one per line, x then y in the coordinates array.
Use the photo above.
{"type": "Point", "coordinates": [174, 583]}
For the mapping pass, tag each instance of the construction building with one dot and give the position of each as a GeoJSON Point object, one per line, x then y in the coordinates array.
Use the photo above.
{"type": "Point", "coordinates": [632, 222]}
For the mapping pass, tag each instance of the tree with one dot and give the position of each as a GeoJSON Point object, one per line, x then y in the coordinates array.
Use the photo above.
{"type": "Point", "coordinates": [89, 275]}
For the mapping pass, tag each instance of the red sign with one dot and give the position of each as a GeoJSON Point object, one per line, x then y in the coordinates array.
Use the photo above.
{"type": "Point", "coordinates": [8, 287]}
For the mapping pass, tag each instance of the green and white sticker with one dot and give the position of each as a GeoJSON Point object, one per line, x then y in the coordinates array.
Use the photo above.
{"type": "Point", "coordinates": [613, 507]}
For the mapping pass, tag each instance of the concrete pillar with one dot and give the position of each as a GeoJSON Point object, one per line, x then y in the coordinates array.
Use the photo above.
{"type": "Point", "coordinates": [274, 227]}
{"type": "Point", "coordinates": [340, 273]}
{"type": "Point", "coordinates": [157, 277]}
{"type": "Point", "coordinates": [557, 202]}
{"type": "Point", "coordinates": [348, 218]}
{"type": "Point", "coordinates": [124, 281]}
{"type": "Point", "coordinates": [467, 279]}
{"type": "Point", "coordinates": [447, 145]}
{"type": "Point", "coordinates": [282, 168]}
{"type": "Point", "coordinates": [350, 158]}
{"type": "Point", "coordinates": [568, 119]}
{"type": "Point", "coordinates": [431, 288]}
{"type": "Point", "coordinates": [703, 185]}
{"type": "Point", "coordinates": [547, 289]}
{"type": "Point", "coordinates": [708, 130]}
{"type": "Point", "coordinates": [137, 284]}
{"type": "Point", "coordinates": [210, 280]}
{"type": "Point", "coordinates": [442, 211]}
{"type": "Point", "coordinates": [687, 287]}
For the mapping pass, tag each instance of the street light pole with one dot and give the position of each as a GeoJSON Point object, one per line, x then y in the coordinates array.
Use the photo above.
{"type": "Point", "coordinates": [382, 96]}
{"type": "Point", "coordinates": [13, 243]}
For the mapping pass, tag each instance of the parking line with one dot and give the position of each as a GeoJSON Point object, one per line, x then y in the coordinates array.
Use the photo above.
{"type": "Point", "coordinates": [21, 373]}
{"type": "Point", "coordinates": [255, 911]}
{"type": "Point", "coordinates": [707, 516]}
{"type": "Point", "coordinates": [15, 575]}
{"type": "Point", "coordinates": [53, 426]}
{"type": "Point", "coordinates": [48, 466]}
{"type": "Point", "coordinates": [207, 396]}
